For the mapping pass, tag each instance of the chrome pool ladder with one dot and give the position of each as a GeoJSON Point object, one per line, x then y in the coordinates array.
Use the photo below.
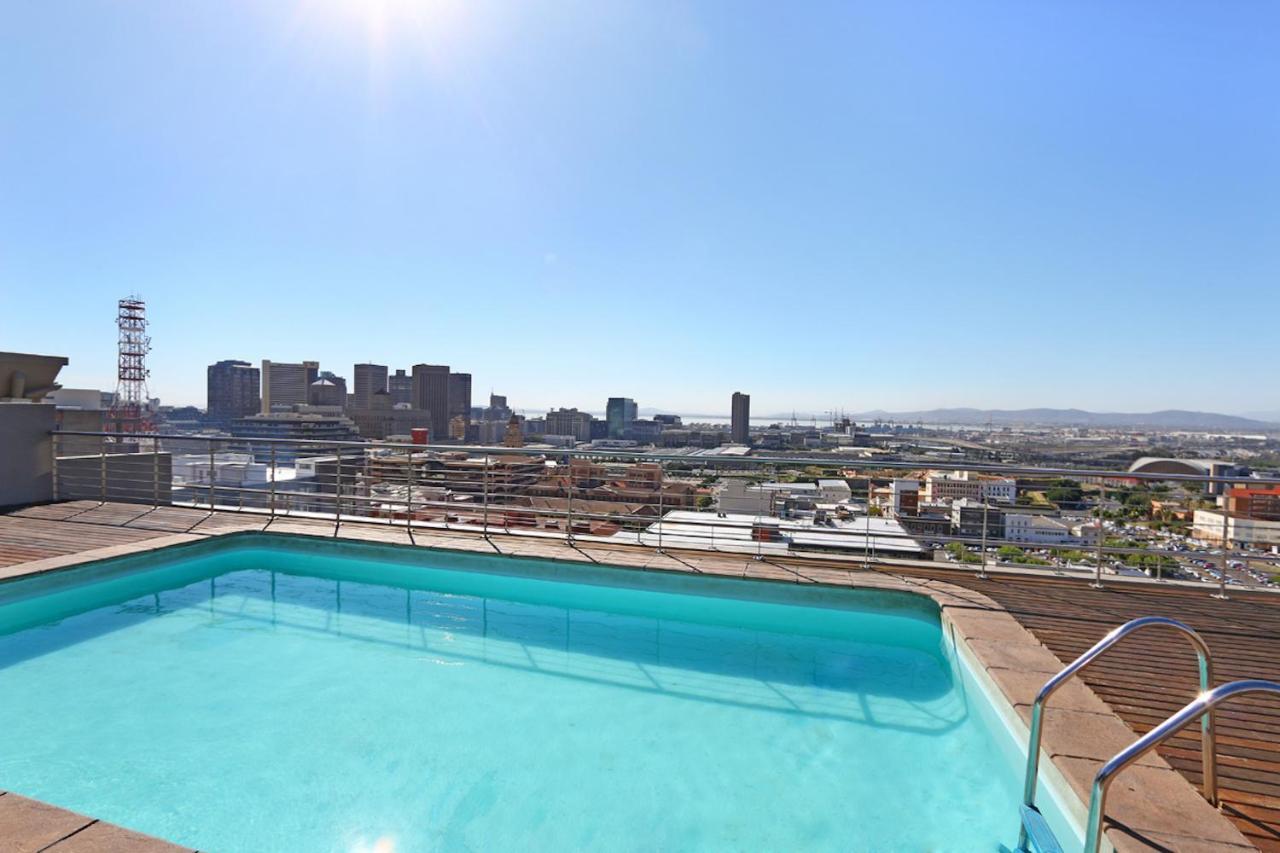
{"type": "Point", "coordinates": [1201, 706]}
{"type": "Point", "coordinates": [1034, 829]}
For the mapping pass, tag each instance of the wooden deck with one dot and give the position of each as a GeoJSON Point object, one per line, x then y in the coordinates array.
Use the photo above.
{"type": "Point", "coordinates": [1143, 680]}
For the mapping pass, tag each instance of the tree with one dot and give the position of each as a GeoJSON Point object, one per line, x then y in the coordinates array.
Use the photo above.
{"type": "Point", "coordinates": [1065, 491]}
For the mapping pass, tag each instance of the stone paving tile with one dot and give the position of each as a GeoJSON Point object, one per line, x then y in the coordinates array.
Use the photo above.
{"type": "Point", "coordinates": [1021, 687]}
{"type": "Point", "coordinates": [1154, 800]}
{"type": "Point", "coordinates": [724, 568]}
{"type": "Point", "coordinates": [107, 838]}
{"type": "Point", "coordinates": [998, 627]}
{"type": "Point", "coordinates": [667, 563]}
{"type": "Point", "coordinates": [28, 826]}
{"type": "Point", "coordinates": [768, 571]}
{"type": "Point", "coordinates": [1027, 656]}
{"type": "Point", "coordinates": [1098, 737]}
{"type": "Point", "coordinates": [833, 577]}
{"type": "Point", "coordinates": [1163, 841]}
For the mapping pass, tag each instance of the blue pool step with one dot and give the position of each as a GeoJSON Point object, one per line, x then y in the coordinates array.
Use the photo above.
{"type": "Point", "coordinates": [1040, 838]}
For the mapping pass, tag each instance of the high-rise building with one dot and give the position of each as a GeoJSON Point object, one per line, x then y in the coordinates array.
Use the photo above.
{"type": "Point", "coordinates": [569, 422]}
{"type": "Point", "coordinates": [369, 380]}
{"type": "Point", "coordinates": [619, 414]}
{"type": "Point", "coordinates": [325, 392]}
{"type": "Point", "coordinates": [400, 387]}
{"type": "Point", "coordinates": [233, 390]}
{"type": "Point", "coordinates": [431, 392]}
{"type": "Point", "coordinates": [329, 389]}
{"type": "Point", "coordinates": [460, 397]}
{"type": "Point", "coordinates": [287, 384]}
{"type": "Point", "coordinates": [740, 425]}
{"type": "Point", "coordinates": [498, 409]}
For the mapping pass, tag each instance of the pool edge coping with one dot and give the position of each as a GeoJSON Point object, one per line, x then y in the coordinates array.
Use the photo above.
{"type": "Point", "coordinates": [1152, 806]}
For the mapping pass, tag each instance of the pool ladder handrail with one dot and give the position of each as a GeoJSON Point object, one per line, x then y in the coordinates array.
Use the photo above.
{"type": "Point", "coordinates": [1205, 660]}
{"type": "Point", "coordinates": [1200, 706]}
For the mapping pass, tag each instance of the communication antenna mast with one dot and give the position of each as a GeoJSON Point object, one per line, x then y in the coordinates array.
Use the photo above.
{"type": "Point", "coordinates": [130, 413]}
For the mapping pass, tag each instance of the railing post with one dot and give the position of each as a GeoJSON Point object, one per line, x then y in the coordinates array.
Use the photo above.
{"type": "Point", "coordinates": [1097, 570]}
{"type": "Point", "coordinates": [155, 473]}
{"type": "Point", "coordinates": [982, 566]}
{"type": "Point", "coordinates": [1221, 594]}
{"type": "Point", "coordinates": [102, 472]}
{"type": "Point", "coordinates": [211, 475]}
{"type": "Point", "coordinates": [485, 492]}
{"type": "Point", "coordinates": [53, 464]}
{"type": "Point", "coordinates": [272, 487]}
{"type": "Point", "coordinates": [408, 495]}
{"type": "Point", "coordinates": [569, 511]}
{"type": "Point", "coordinates": [758, 530]}
{"type": "Point", "coordinates": [661, 475]}
{"type": "Point", "coordinates": [337, 483]}
{"type": "Point", "coordinates": [866, 539]}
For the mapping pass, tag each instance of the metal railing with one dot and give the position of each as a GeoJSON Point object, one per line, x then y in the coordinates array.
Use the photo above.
{"type": "Point", "coordinates": [1201, 706]}
{"type": "Point", "coordinates": [1205, 662]}
{"type": "Point", "coordinates": [665, 501]}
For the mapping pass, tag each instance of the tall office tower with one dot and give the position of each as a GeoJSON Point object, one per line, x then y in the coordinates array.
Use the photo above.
{"type": "Point", "coordinates": [460, 397]}
{"type": "Point", "coordinates": [369, 379]}
{"type": "Point", "coordinates": [620, 414]}
{"type": "Point", "coordinates": [287, 384]}
{"type": "Point", "coordinates": [741, 423]}
{"type": "Point", "coordinates": [233, 390]}
{"type": "Point", "coordinates": [431, 392]}
{"type": "Point", "coordinates": [498, 409]}
{"type": "Point", "coordinates": [400, 387]}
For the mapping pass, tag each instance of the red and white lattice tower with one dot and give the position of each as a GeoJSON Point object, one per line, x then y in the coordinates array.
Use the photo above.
{"type": "Point", "coordinates": [130, 411]}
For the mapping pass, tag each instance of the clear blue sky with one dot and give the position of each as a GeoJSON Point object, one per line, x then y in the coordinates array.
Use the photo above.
{"type": "Point", "coordinates": [864, 205]}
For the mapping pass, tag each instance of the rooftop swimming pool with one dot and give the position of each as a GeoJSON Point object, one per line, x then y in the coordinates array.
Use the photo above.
{"type": "Point", "coordinates": [264, 693]}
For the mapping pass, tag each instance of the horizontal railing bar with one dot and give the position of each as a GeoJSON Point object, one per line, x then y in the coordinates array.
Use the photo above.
{"type": "Point", "coordinates": [699, 461]}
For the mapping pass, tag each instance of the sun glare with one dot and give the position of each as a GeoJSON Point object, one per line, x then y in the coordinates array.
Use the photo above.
{"type": "Point", "coordinates": [387, 19]}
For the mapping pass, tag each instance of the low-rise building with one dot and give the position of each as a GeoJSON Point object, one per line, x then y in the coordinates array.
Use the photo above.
{"type": "Point", "coordinates": [1037, 530]}
{"type": "Point", "coordinates": [904, 497]}
{"type": "Point", "coordinates": [291, 426]}
{"type": "Point", "coordinates": [1213, 526]}
{"type": "Point", "coordinates": [960, 484]}
{"type": "Point", "coordinates": [834, 490]}
{"type": "Point", "coordinates": [969, 517]}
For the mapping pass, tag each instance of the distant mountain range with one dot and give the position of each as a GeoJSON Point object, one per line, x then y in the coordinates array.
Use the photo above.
{"type": "Point", "coordinates": [1167, 419]}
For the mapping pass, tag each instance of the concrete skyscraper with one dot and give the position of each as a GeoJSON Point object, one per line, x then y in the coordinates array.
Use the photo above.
{"type": "Point", "coordinates": [233, 390]}
{"type": "Point", "coordinates": [286, 384]}
{"type": "Point", "coordinates": [741, 421]}
{"type": "Point", "coordinates": [400, 387]}
{"type": "Point", "coordinates": [460, 397]}
{"type": "Point", "coordinates": [620, 413]}
{"type": "Point", "coordinates": [369, 380]}
{"type": "Point", "coordinates": [431, 392]}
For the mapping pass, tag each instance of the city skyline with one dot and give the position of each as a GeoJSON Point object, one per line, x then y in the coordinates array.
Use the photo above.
{"type": "Point", "coordinates": [716, 408]}
{"type": "Point", "coordinates": [867, 206]}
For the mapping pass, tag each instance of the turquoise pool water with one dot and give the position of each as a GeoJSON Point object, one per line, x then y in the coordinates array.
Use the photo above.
{"type": "Point", "coordinates": [268, 696]}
